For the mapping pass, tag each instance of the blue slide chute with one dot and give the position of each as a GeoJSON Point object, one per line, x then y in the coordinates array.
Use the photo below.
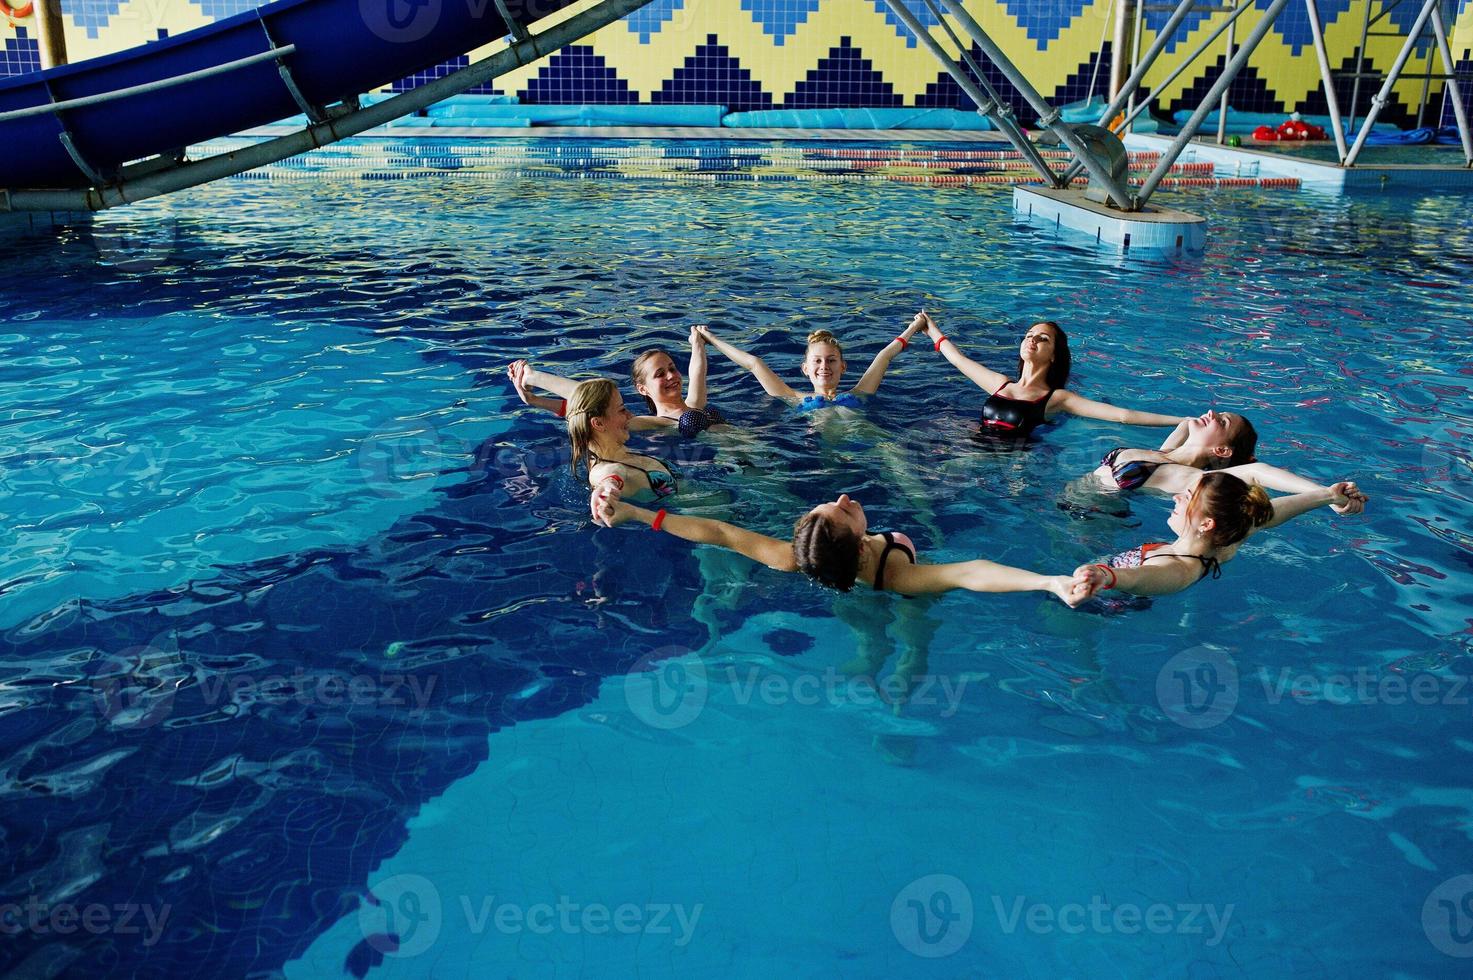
{"type": "Point", "coordinates": [328, 51]}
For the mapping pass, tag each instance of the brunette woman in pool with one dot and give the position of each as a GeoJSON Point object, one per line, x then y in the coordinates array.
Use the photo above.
{"type": "Point", "coordinates": [1210, 522]}
{"type": "Point", "coordinates": [1016, 406]}
{"type": "Point", "coordinates": [833, 545]}
{"type": "Point", "coordinates": [655, 377]}
{"type": "Point", "coordinates": [1220, 441]}
{"type": "Point", "coordinates": [823, 366]}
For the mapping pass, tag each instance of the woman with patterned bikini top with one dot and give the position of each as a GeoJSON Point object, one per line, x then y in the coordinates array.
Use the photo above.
{"type": "Point", "coordinates": [598, 428]}
{"type": "Point", "coordinates": [823, 366]}
{"type": "Point", "coordinates": [1017, 406]}
{"type": "Point", "coordinates": [656, 378]}
{"type": "Point", "coordinates": [1210, 521]}
{"type": "Point", "coordinates": [1224, 442]}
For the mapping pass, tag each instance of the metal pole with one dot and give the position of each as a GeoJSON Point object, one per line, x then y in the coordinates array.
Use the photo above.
{"type": "Point", "coordinates": [1118, 45]}
{"type": "Point", "coordinates": [1222, 110]}
{"type": "Point", "coordinates": [1229, 72]}
{"type": "Point", "coordinates": [988, 104]}
{"type": "Point", "coordinates": [1426, 88]}
{"type": "Point", "coordinates": [260, 154]}
{"type": "Point", "coordinates": [1465, 133]}
{"type": "Point", "coordinates": [1327, 78]}
{"type": "Point", "coordinates": [1378, 101]}
{"type": "Point", "coordinates": [1157, 46]}
{"type": "Point", "coordinates": [1048, 115]}
{"type": "Point", "coordinates": [1135, 54]}
{"type": "Point", "coordinates": [1360, 64]}
{"type": "Point", "coordinates": [51, 31]}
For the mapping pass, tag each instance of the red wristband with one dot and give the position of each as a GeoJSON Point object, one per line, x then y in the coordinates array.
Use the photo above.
{"type": "Point", "coordinates": [1111, 572]}
{"type": "Point", "coordinates": [939, 342]}
{"type": "Point", "coordinates": [659, 519]}
{"type": "Point", "coordinates": [902, 342]}
{"type": "Point", "coordinates": [562, 409]}
{"type": "Point", "coordinates": [619, 480]}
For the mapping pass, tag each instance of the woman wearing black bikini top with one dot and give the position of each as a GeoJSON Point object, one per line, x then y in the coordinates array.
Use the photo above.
{"type": "Point", "coordinates": [1015, 407]}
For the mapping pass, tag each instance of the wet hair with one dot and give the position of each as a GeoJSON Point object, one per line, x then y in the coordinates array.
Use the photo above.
{"type": "Point", "coordinates": [826, 553]}
{"type": "Point", "coordinates": [824, 337]}
{"type": "Point", "coordinates": [1242, 446]}
{"type": "Point", "coordinates": [1058, 371]}
{"type": "Point", "coordinates": [591, 399]}
{"type": "Point", "coordinates": [637, 373]}
{"type": "Point", "coordinates": [1235, 506]}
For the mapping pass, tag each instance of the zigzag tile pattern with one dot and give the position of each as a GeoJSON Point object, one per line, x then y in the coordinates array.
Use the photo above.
{"type": "Point", "coordinates": [754, 54]}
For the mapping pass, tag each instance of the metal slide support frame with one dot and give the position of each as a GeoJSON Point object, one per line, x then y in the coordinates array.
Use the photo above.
{"type": "Point", "coordinates": [1378, 101]}
{"type": "Point", "coordinates": [1143, 65]}
{"type": "Point", "coordinates": [1048, 115]}
{"type": "Point", "coordinates": [1327, 78]}
{"type": "Point", "coordinates": [517, 28]}
{"type": "Point", "coordinates": [1222, 109]}
{"type": "Point", "coordinates": [989, 104]}
{"type": "Point", "coordinates": [1465, 134]}
{"type": "Point", "coordinates": [1229, 72]}
{"type": "Point", "coordinates": [229, 164]}
{"type": "Point", "coordinates": [312, 112]}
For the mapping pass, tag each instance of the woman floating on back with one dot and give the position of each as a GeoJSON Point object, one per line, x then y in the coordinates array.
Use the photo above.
{"type": "Point", "coordinates": [1210, 522]}
{"type": "Point", "coordinates": [833, 545]}
{"type": "Point", "coordinates": [823, 366]}
{"type": "Point", "coordinates": [1016, 406]}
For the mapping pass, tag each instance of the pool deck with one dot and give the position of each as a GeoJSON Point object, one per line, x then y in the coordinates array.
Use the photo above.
{"type": "Point", "coordinates": [1318, 175]}
{"type": "Point", "coordinates": [665, 133]}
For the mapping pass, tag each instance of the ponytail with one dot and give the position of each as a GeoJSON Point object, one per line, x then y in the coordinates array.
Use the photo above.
{"type": "Point", "coordinates": [591, 399]}
{"type": "Point", "coordinates": [1235, 506]}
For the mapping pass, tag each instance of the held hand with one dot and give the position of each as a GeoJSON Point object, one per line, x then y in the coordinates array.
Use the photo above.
{"type": "Point", "coordinates": [705, 333]}
{"type": "Point", "coordinates": [698, 335]}
{"type": "Point", "coordinates": [929, 325]}
{"type": "Point", "coordinates": [517, 371]}
{"type": "Point", "coordinates": [1088, 581]}
{"type": "Point", "coordinates": [1348, 498]}
{"type": "Point", "coordinates": [604, 502]}
{"type": "Point", "coordinates": [1063, 587]}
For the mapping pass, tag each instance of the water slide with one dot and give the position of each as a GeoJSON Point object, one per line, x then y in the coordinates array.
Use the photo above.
{"type": "Point", "coordinates": [113, 130]}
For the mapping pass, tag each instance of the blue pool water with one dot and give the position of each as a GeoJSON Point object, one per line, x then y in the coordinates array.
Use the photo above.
{"type": "Point", "coordinates": [308, 642]}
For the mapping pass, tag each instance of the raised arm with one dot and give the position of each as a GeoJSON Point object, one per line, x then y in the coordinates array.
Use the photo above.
{"type": "Point", "coordinates": [700, 530]}
{"type": "Point", "coordinates": [518, 372]}
{"type": "Point", "coordinates": [875, 373]}
{"type": "Point", "coordinates": [770, 382]}
{"type": "Point", "coordinates": [978, 575]}
{"type": "Point", "coordinates": [560, 386]}
{"type": "Point", "coordinates": [985, 378]}
{"type": "Point", "coordinates": [1273, 478]}
{"type": "Point", "coordinates": [695, 374]}
{"type": "Point", "coordinates": [1076, 404]}
{"type": "Point", "coordinates": [1343, 498]}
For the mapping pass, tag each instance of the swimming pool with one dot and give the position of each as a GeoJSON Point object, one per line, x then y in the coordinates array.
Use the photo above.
{"type": "Point", "coordinates": [308, 640]}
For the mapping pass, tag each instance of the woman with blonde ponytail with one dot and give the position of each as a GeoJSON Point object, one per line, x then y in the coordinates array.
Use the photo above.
{"type": "Point", "coordinates": [598, 428]}
{"type": "Point", "coordinates": [823, 366]}
{"type": "Point", "coordinates": [1210, 521]}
